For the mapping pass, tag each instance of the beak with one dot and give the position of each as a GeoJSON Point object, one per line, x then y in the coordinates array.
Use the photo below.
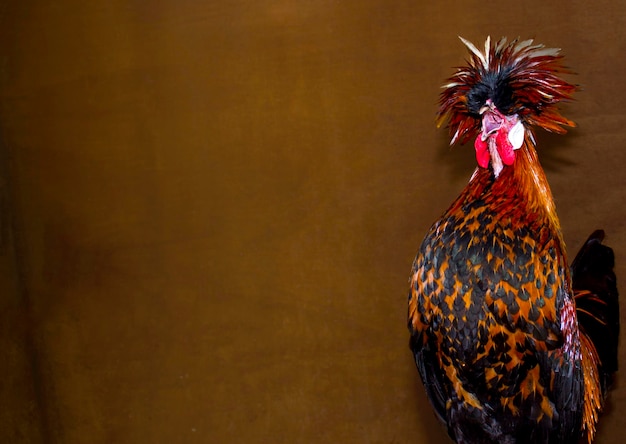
{"type": "Point", "coordinates": [486, 107]}
{"type": "Point", "coordinates": [491, 123]}
{"type": "Point", "coordinates": [492, 119]}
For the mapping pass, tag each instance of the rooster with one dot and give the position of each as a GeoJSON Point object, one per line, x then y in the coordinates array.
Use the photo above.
{"type": "Point", "coordinates": [512, 345]}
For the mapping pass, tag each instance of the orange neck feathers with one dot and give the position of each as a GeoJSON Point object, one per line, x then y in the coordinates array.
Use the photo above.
{"type": "Point", "coordinates": [520, 192]}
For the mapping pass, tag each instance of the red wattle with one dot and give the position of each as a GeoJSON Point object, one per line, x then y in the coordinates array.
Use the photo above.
{"type": "Point", "coordinates": [505, 149]}
{"type": "Point", "coordinates": [482, 151]}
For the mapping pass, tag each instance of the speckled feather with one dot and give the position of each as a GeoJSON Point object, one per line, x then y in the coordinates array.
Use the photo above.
{"type": "Point", "coordinates": [488, 293]}
{"type": "Point", "coordinates": [491, 307]}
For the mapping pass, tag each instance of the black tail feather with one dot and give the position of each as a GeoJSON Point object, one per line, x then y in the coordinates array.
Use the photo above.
{"type": "Point", "coordinates": [597, 304]}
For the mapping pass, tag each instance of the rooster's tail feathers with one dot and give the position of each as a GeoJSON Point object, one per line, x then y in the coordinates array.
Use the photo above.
{"type": "Point", "coordinates": [597, 305]}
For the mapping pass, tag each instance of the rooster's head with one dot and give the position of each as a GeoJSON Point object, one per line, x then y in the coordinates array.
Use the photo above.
{"type": "Point", "coordinates": [501, 94]}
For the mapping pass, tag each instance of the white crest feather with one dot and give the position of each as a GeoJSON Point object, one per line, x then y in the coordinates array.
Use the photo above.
{"type": "Point", "coordinates": [476, 52]}
{"type": "Point", "coordinates": [456, 135]}
{"type": "Point", "coordinates": [547, 52]}
{"type": "Point", "coordinates": [487, 47]}
{"type": "Point", "coordinates": [524, 44]}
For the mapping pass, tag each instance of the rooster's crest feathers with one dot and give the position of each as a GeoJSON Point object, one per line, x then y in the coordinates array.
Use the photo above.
{"type": "Point", "coordinates": [519, 77]}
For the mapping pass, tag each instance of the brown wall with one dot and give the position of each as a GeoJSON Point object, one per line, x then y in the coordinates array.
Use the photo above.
{"type": "Point", "coordinates": [215, 208]}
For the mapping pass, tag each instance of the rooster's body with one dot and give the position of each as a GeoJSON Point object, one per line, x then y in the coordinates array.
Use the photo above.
{"type": "Point", "coordinates": [505, 337]}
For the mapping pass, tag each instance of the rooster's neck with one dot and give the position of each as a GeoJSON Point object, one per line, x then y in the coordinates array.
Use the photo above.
{"type": "Point", "coordinates": [520, 194]}
{"type": "Point", "coordinates": [528, 175]}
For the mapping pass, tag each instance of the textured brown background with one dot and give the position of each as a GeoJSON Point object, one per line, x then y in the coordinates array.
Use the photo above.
{"type": "Point", "coordinates": [209, 209]}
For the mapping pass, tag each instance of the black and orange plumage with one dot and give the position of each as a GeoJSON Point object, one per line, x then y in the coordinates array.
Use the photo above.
{"type": "Point", "coordinates": [512, 345]}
